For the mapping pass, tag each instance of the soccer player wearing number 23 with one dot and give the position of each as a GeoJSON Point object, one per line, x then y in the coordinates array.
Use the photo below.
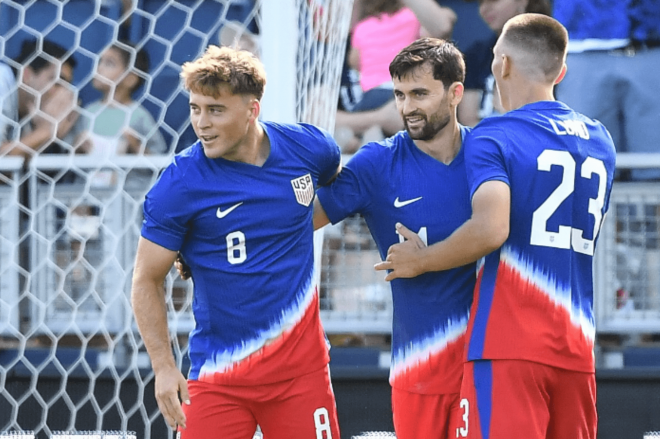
{"type": "Point", "coordinates": [540, 179]}
{"type": "Point", "coordinates": [238, 206]}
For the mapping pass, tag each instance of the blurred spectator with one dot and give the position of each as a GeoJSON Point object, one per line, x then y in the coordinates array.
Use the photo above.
{"type": "Point", "coordinates": [117, 124]}
{"type": "Point", "coordinates": [114, 125]}
{"type": "Point", "coordinates": [385, 27]}
{"type": "Point", "coordinates": [613, 64]}
{"type": "Point", "coordinates": [479, 99]}
{"type": "Point", "coordinates": [37, 106]}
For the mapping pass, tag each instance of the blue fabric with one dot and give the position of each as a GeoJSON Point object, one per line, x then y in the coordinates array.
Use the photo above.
{"type": "Point", "coordinates": [609, 19]}
{"type": "Point", "coordinates": [373, 99]}
{"type": "Point", "coordinates": [245, 234]}
{"type": "Point", "coordinates": [394, 181]}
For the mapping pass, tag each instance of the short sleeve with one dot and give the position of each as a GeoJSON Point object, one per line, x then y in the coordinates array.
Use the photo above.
{"type": "Point", "coordinates": [165, 216]}
{"type": "Point", "coordinates": [329, 153]}
{"type": "Point", "coordinates": [485, 148]}
{"type": "Point", "coordinates": [349, 193]}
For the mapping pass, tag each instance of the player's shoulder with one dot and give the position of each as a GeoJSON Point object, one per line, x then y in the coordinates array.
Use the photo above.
{"type": "Point", "coordinates": [186, 159]}
{"type": "Point", "coordinates": [490, 126]}
{"type": "Point", "coordinates": [297, 130]}
{"type": "Point", "coordinates": [301, 138]}
{"type": "Point", "coordinates": [386, 148]}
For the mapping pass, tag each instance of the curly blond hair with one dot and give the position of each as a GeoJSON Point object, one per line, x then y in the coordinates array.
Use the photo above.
{"type": "Point", "coordinates": [240, 70]}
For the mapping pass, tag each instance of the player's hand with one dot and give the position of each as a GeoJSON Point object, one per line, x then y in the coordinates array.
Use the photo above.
{"type": "Point", "coordinates": [170, 384]}
{"type": "Point", "coordinates": [182, 267]}
{"type": "Point", "coordinates": [403, 259]}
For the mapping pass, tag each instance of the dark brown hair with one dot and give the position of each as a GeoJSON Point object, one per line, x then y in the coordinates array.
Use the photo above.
{"type": "Point", "coordinates": [441, 55]}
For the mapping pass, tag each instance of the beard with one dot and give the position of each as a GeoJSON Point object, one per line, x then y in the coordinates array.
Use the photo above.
{"type": "Point", "coordinates": [429, 129]}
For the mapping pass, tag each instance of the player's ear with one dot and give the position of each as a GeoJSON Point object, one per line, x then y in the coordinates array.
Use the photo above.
{"type": "Point", "coordinates": [562, 74]}
{"type": "Point", "coordinates": [255, 109]}
{"type": "Point", "coordinates": [456, 91]}
{"type": "Point", "coordinates": [506, 66]}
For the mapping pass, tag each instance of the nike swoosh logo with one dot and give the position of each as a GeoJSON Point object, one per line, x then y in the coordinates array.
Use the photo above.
{"type": "Point", "coordinates": [398, 203]}
{"type": "Point", "coordinates": [222, 214]}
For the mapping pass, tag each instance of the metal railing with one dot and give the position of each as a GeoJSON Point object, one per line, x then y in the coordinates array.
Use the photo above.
{"type": "Point", "coordinates": [81, 236]}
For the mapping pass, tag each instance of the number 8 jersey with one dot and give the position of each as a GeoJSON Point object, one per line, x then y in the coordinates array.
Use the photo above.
{"type": "Point", "coordinates": [534, 296]}
{"type": "Point", "coordinates": [246, 232]}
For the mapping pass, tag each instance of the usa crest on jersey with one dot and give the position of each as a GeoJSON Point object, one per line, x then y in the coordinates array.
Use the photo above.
{"type": "Point", "coordinates": [304, 189]}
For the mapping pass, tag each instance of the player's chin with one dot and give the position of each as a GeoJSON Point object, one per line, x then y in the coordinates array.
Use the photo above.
{"type": "Point", "coordinates": [211, 150]}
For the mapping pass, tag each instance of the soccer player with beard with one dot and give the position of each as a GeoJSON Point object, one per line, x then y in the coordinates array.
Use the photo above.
{"type": "Point", "coordinates": [238, 206]}
{"type": "Point", "coordinates": [417, 177]}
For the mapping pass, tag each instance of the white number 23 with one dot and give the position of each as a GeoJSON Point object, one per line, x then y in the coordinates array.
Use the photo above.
{"type": "Point", "coordinates": [568, 236]}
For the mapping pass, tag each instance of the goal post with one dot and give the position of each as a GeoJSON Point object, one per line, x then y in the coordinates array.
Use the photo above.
{"type": "Point", "coordinates": [71, 359]}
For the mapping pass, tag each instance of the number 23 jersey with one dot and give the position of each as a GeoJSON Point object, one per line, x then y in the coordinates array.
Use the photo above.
{"type": "Point", "coordinates": [246, 232]}
{"type": "Point", "coordinates": [534, 296]}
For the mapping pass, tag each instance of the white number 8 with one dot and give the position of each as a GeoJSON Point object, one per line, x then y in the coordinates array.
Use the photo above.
{"type": "Point", "coordinates": [236, 252]}
{"type": "Point", "coordinates": [322, 423]}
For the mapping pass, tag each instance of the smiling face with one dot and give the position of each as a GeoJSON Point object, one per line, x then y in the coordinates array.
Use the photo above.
{"type": "Point", "coordinates": [222, 123]}
{"type": "Point", "coordinates": [423, 103]}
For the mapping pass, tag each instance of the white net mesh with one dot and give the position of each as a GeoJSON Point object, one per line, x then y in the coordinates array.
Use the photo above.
{"type": "Point", "coordinates": [71, 361]}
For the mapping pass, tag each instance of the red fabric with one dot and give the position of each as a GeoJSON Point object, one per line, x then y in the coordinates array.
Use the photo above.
{"type": "Point", "coordinates": [425, 416]}
{"type": "Point", "coordinates": [527, 400]}
{"type": "Point", "coordinates": [302, 407]}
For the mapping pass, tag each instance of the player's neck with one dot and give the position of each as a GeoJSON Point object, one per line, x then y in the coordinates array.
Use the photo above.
{"type": "Point", "coordinates": [255, 148]}
{"type": "Point", "coordinates": [445, 145]}
{"type": "Point", "coordinates": [527, 94]}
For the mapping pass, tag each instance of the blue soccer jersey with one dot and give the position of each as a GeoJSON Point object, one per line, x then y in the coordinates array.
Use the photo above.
{"type": "Point", "coordinates": [394, 181]}
{"type": "Point", "coordinates": [247, 234]}
{"type": "Point", "coordinates": [534, 296]}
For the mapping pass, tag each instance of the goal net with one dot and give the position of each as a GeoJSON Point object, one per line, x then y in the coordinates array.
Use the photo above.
{"type": "Point", "coordinates": [71, 358]}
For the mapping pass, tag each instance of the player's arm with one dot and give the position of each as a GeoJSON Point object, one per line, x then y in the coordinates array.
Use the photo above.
{"type": "Point", "coordinates": [152, 265]}
{"type": "Point", "coordinates": [484, 232]}
{"type": "Point", "coordinates": [437, 21]}
{"type": "Point", "coordinates": [320, 218]}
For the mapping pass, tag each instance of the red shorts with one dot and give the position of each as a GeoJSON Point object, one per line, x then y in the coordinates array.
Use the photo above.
{"type": "Point", "coordinates": [303, 407]}
{"type": "Point", "coordinates": [514, 398]}
{"type": "Point", "coordinates": [425, 416]}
